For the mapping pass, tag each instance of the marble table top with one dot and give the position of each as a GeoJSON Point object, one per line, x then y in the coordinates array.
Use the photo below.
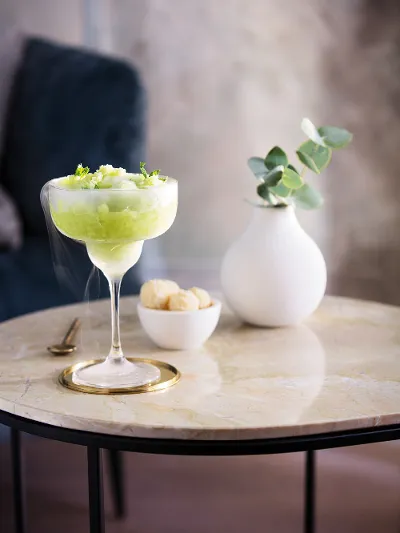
{"type": "Point", "coordinates": [340, 370]}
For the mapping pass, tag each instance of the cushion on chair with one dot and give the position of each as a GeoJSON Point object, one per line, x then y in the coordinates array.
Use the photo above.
{"type": "Point", "coordinates": [68, 106]}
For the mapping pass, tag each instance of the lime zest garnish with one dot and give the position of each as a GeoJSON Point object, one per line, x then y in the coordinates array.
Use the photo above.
{"type": "Point", "coordinates": [81, 171]}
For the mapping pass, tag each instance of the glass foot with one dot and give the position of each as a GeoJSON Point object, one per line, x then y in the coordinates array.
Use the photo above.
{"type": "Point", "coordinates": [118, 373]}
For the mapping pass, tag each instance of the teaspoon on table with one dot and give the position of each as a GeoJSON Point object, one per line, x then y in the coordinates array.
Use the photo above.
{"type": "Point", "coordinates": [66, 347]}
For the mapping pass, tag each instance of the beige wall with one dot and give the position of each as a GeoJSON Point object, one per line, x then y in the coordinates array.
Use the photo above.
{"type": "Point", "coordinates": [230, 78]}
{"type": "Point", "coordinates": [361, 76]}
{"type": "Point", "coordinates": [226, 80]}
{"type": "Point", "coordinates": [56, 19]}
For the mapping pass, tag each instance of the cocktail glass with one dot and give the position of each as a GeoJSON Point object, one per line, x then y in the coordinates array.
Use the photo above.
{"type": "Point", "coordinates": [112, 224]}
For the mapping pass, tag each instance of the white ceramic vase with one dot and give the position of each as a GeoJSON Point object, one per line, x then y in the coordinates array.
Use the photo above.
{"type": "Point", "coordinates": [274, 274]}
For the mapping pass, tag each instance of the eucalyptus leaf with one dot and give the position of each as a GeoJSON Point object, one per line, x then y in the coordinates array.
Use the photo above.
{"type": "Point", "coordinates": [280, 190]}
{"type": "Point", "coordinates": [311, 131]}
{"type": "Point", "coordinates": [257, 166]}
{"type": "Point", "coordinates": [307, 197]}
{"type": "Point", "coordinates": [294, 169]}
{"type": "Point", "coordinates": [274, 176]}
{"type": "Point", "coordinates": [315, 157]}
{"type": "Point", "coordinates": [291, 179]}
{"type": "Point", "coordinates": [335, 137]}
{"type": "Point", "coordinates": [264, 192]}
{"type": "Point", "coordinates": [307, 161]}
{"type": "Point", "coordinates": [275, 157]}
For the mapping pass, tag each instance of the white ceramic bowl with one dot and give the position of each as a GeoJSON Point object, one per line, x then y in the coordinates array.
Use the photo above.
{"type": "Point", "coordinates": [179, 330]}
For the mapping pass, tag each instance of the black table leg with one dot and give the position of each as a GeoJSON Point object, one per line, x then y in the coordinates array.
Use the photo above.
{"type": "Point", "coordinates": [18, 482]}
{"type": "Point", "coordinates": [116, 469]}
{"type": "Point", "coordinates": [96, 504]}
{"type": "Point", "coordinates": [309, 502]}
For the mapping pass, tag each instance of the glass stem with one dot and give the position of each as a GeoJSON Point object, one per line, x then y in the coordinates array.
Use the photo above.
{"type": "Point", "coordinates": [116, 351]}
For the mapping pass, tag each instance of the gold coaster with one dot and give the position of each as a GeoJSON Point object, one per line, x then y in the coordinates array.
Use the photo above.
{"type": "Point", "coordinates": [169, 376]}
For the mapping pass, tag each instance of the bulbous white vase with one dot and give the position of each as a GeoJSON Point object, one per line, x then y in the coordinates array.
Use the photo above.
{"type": "Point", "coordinates": [274, 274]}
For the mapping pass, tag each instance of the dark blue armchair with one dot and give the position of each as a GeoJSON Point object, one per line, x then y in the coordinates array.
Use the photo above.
{"type": "Point", "coordinates": [66, 106]}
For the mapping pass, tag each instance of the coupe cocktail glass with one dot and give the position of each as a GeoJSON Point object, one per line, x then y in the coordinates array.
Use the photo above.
{"type": "Point", "coordinates": [113, 223]}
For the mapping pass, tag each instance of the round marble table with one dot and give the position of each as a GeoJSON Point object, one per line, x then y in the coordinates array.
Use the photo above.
{"type": "Point", "coordinates": [333, 381]}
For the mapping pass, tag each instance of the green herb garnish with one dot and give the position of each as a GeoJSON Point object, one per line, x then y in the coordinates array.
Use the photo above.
{"type": "Point", "coordinates": [154, 173]}
{"type": "Point", "coordinates": [107, 177]}
{"type": "Point", "coordinates": [81, 171]}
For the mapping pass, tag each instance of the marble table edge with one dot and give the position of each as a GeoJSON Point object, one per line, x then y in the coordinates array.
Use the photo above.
{"type": "Point", "coordinates": [200, 434]}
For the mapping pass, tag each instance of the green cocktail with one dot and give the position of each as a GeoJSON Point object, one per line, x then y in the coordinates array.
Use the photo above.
{"type": "Point", "coordinates": [112, 212]}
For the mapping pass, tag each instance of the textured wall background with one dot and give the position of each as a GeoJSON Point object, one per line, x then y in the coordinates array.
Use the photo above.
{"type": "Point", "coordinates": [226, 80]}
{"type": "Point", "coordinates": [362, 80]}
{"type": "Point", "coordinates": [230, 78]}
{"type": "Point", "coordinates": [55, 19]}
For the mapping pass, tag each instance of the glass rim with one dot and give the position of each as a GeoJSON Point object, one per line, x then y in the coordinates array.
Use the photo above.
{"type": "Point", "coordinates": [169, 181]}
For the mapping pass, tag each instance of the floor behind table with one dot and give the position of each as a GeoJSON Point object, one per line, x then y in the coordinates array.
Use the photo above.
{"type": "Point", "coordinates": [358, 491]}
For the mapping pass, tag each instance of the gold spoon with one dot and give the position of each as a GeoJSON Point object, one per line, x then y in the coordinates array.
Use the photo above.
{"type": "Point", "coordinates": [66, 347]}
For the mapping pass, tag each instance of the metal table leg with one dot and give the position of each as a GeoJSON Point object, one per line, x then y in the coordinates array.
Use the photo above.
{"type": "Point", "coordinates": [95, 478]}
{"type": "Point", "coordinates": [309, 502]}
{"type": "Point", "coordinates": [18, 483]}
{"type": "Point", "coordinates": [116, 469]}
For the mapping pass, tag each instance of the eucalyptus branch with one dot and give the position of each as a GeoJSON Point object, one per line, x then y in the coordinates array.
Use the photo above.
{"type": "Point", "coordinates": [281, 184]}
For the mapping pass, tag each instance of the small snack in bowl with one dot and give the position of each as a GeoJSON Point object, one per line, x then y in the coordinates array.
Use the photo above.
{"type": "Point", "coordinates": [183, 301]}
{"type": "Point", "coordinates": [203, 297]}
{"type": "Point", "coordinates": [182, 320]}
{"type": "Point", "coordinates": [155, 293]}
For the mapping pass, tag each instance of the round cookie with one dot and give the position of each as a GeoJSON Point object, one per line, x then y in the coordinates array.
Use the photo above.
{"type": "Point", "coordinates": [203, 297]}
{"type": "Point", "coordinates": [183, 301]}
{"type": "Point", "coordinates": [156, 293]}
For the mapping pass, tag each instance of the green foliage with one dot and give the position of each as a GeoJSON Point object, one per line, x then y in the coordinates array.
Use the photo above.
{"type": "Point", "coordinates": [307, 197]}
{"type": "Point", "coordinates": [274, 176]}
{"type": "Point", "coordinates": [276, 157]}
{"type": "Point", "coordinates": [293, 168]}
{"type": "Point", "coordinates": [335, 137]}
{"type": "Point", "coordinates": [281, 190]}
{"type": "Point", "coordinates": [291, 179]}
{"type": "Point", "coordinates": [257, 166]}
{"type": "Point", "coordinates": [311, 131]}
{"type": "Point", "coordinates": [280, 182]}
{"type": "Point", "coordinates": [263, 191]}
{"type": "Point", "coordinates": [314, 156]}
